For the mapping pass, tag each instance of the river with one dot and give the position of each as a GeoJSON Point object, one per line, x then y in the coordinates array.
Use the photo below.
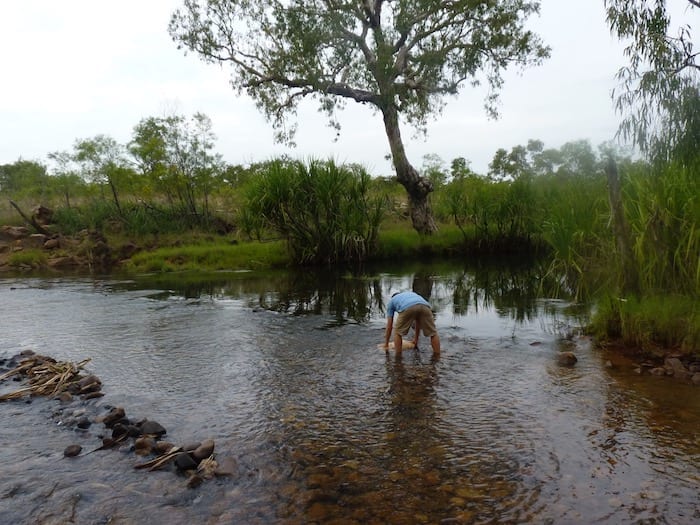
{"type": "Point", "coordinates": [282, 371]}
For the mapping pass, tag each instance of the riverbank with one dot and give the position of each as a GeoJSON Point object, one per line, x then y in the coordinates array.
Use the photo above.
{"type": "Point", "coordinates": [650, 330]}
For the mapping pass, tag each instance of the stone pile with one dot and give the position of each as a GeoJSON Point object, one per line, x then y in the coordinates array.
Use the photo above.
{"type": "Point", "coordinates": [44, 376]}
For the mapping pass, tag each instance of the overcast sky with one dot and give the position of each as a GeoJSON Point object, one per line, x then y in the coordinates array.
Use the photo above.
{"type": "Point", "coordinates": [78, 68]}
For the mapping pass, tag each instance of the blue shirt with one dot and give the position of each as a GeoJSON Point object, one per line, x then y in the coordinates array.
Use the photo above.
{"type": "Point", "coordinates": [403, 300]}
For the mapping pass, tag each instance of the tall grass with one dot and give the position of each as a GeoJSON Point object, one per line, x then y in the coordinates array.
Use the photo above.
{"type": "Point", "coordinates": [325, 211]}
{"type": "Point", "coordinates": [663, 209]}
{"type": "Point", "coordinates": [652, 324]}
{"type": "Point", "coordinates": [132, 218]}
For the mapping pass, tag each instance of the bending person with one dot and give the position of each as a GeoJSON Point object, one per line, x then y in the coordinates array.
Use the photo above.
{"type": "Point", "coordinates": [411, 308]}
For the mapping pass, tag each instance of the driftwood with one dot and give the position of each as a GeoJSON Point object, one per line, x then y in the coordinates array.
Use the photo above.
{"type": "Point", "coordinates": [30, 220]}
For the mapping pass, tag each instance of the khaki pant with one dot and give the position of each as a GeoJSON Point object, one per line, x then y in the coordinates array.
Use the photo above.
{"type": "Point", "coordinates": [420, 313]}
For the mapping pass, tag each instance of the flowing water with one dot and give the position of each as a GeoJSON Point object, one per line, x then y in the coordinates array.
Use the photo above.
{"type": "Point", "coordinates": [282, 371]}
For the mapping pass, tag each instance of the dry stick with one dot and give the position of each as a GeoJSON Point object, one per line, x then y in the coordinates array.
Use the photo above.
{"type": "Point", "coordinates": [162, 460]}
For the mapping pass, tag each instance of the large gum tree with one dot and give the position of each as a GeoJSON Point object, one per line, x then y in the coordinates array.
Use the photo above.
{"type": "Point", "coordinates": [400, 57]}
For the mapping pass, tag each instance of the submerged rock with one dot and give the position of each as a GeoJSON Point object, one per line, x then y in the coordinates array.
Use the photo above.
{"type": "Point", "coordinates": [72, 450]}
{"type": "Point", "coordinates": [567, 359]}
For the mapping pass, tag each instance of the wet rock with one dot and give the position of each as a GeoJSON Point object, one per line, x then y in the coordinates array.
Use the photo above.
{"type": "Point", "coordinates": [94, 395]}
{"type": "Point", "coordinates": [696, 378]}
{"type": "Point", "coordinates": [163, 447]}
{"type": "Point", "coordinates": [143, 446]}
{"type": "Point", "coordinates": [119, 431]}
{"type": "Point", "coordinates": [84, 423]}
{"type": "Point", "coordinates": [72, 450]}
{"type": "Point", "coordinates": [89, 383]}
{"type": "Point", "coordinates": [226, 467]}
{"type": "Point", "coordinates": [114, 415]}
{"type": "Point", "coordinates": [189, 447]}
{"type": "Point", "coordinates": [65, 397]}
{"type": "Point", "coordinates": [566, 359]}
{"type": "Point", "coordinates": [184, 461]}
{"type": "Point", "coordinates": [676, 368]}
{"type": "Point", "coordinates": [204, 450]}
{"type": "Point", "coordinates": [195, 481]}
{"type": "Point", "coordinates": [152, 428]}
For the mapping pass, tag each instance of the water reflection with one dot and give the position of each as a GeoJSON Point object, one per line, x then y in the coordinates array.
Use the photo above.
{"type": "Point", "coordinates": [353, 295]}
{"type": "Point", "coordinates": [282, 370]}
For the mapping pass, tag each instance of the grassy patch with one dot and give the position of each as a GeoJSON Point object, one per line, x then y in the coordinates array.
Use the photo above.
{"type": "Point", "coordinates": [32, 257]}
{"type": "Point", "coordinates": [650, 324]}
{"type": "Point", "coordinates": [211, 256]}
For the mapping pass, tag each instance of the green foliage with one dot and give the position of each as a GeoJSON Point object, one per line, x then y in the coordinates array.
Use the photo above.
{"type": "Point", "coordinates": [211, 256]}
{"type": "Point", "coordinates": [402, 58]}
{"type": "Point", "coordinates": [661, 78]}
{"type": "Point", "coordinates": [409, 53]}
{"type": "Point", "coordinates": [29, 258]}
{"type": "Point", "coordinates": [663, 208]}
{"type": "Point", "coordinates": [492, 216]}
{"type": "Point", "coordinates": [650, 324]}
{"type": "Point", "coordinates": [22, 178]}
{"type": "Point", "coordinates": [137, 218]}
{"type": "Point", "coordinates": [175, 155]}
{"type": "Point", "coordinates": [324, 210]}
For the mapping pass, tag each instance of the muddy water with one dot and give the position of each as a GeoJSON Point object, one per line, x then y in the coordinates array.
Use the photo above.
{"type": "Point", "coordinates": [282, 371]}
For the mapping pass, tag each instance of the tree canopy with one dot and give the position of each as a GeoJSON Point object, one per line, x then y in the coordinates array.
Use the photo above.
{"type": "Point", "coordinates": [400, 57]}
{"type": "Point", "coordinates": [659, 91]}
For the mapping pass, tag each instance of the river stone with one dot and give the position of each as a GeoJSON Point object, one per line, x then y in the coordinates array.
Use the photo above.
{"type": "Point", "coordinates": [189, 447]}
{"type": "Point", "coordinates": [84, 422]}
{"type": "Point", "coordinates": [119, 431]}
{"type": "Point", "coordinates": [183, 461]}
{"type": "Point", "coordinates": [227, 467]}
{"type": "Point", "coordinates": [144, 445]}
{"type": "Point", "coordinates": [72, 450]}
{"type": "Point", "coordinates": [65, 397]}
{"type": "Point", "coordinates": [676, 367]}
{"type": "Point", "coordinates": [163, 447]}
{"type": "Point", "coordinates": [204, 450]}
{"type": "Point", "coordinates": [696, 378]}
{"type": "Point", "coordinates": [152, 428]}
{"type": "Point", "coordinates": [113, 416]}
{"type": "Point", "coordinates": [566, 359]}
{"type": "Point", "coordinates": [94, 395]}
{"type": "Point", "coordinates": [90, 383]}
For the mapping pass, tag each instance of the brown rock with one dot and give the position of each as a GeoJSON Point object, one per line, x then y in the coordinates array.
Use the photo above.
{"type": "Point", "coordinates": [52, 244]}
{"type": "Point", "coordinates": [226, 467]}
{"type": "Point", "coordinates": [11, 233]}
{"type": "Point", "coordinates": [204, 450]}
{"type": "Point", "coordinates": [144, 445]}
{"type": "Point", "coordinates": [72, 450]}
{"type": "Point", "coordinates": [35, 240]}
{"type": "Point", "coordinates": [153, 428]}
{"type": "Point", "coordinates": [566, 359]}
{"type": "Point", "coordinates": [113, 416]}
{"type": "Point", "coordinates": [163, 447]}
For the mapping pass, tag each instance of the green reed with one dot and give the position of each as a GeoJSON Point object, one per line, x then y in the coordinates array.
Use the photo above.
{"type": "Point", "coordinates": [324, 211]}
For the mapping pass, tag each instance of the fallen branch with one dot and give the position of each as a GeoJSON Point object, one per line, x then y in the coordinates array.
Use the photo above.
{"type": "Point", "coordinates": [38, 227]}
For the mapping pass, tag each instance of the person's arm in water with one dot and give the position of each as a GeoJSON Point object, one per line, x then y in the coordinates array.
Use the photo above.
{"type": "Point", "coordinates": [387, 332]}
{"type": "Point", "coordinates": [417, 334]}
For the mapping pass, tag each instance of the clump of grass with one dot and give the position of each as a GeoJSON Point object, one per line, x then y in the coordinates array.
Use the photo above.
{"type": "Point", "coordinates": [651, 324]}
{"type": "Point", "coordinates": [210, 256]}
{"type": "Point", "coordinates": [325, 211]}
{"type": "Point", "coordinates": [34, 258]}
